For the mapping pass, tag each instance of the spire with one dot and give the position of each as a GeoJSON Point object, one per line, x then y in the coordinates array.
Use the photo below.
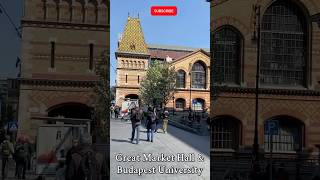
{"type": "Point", "coordinates": [132, 40]}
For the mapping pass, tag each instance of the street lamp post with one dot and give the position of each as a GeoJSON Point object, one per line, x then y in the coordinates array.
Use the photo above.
{"type": "Point", "coordinates": [173, 105]}
{"type": "Point", "coordinates": [255, 154]}
{"type": "Point", "coordinates": [298, 161]}
{"type": "Point", "coordinates": [190, 97]}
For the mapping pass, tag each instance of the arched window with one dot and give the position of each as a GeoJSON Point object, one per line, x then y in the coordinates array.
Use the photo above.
{"type": "Point", "coordinates": [52, 10]}
{"type": "Point", "coordinates": [283, 45]}
{"type": "Point", "coordinates": [198, 104]}
{"type": "Point", "coordinates": [227, 55]}
{"type": "Point", "coordinates": [77, 12]}
{"type": "Point", "coordinates": [65, 11]}
{"type": "Point", "coordinates": [289, 135]}
{"type": "Point", "coordinates": [226, 133]}
{"type": "Point", "coordinates": [91, 11]}
{"type": "Point", "coordinates": [180, 103]}
{"type": "Point", "coordinates": [198, 75]}
{"type": "Point", "coordinates": [180, 79]}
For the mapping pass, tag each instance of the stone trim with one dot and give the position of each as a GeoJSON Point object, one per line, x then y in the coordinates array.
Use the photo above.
{"type": "Point", "coordinates": [62, 25]}
{"type": "Point", "coordinates": [46, 82]}
{"type": "Point", "coordinates": [272, 91]}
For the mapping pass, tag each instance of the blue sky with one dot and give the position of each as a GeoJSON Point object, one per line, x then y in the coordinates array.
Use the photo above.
{"type": "Point", "coordinates": [191, 26]}
{"type": "Point", "coordinates": [10, 42]}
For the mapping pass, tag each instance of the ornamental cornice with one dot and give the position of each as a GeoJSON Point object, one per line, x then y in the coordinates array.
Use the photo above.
{"type": "Point", "coordinates": [62, 25]}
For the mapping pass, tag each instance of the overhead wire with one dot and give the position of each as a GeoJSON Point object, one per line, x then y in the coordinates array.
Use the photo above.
{"type": "Point", "coordinates": [3, 10]}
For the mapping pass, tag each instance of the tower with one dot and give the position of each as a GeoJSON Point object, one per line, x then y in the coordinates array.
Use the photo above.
{"type": "Point", "coordinates": [61, 41]}
{"type": "Point", "coordinates": [132, 57]}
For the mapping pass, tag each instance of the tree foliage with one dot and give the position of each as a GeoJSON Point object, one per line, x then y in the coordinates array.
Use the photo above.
{"type": "Point", "coordinates": [158, 86]}
{"type": "Point", "coordinates": [102, 99]}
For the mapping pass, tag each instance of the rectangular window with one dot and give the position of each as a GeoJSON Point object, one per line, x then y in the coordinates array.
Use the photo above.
{"type": "Point", "coordinates": [126, 78]}
{"type": "Point", "coordinates": [138, 79]}
{"type": "Point", "coordinates": [52, 54]}
{"type": "Point", "coordinates": [91, 57]}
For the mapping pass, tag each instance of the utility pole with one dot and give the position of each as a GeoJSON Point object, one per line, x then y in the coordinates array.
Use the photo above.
{"type": "Point", "coordinates": [255, 153]}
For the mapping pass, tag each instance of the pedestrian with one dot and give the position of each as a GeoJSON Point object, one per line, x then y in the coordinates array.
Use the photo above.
{"type": "Point", "coordinates": [208, 123]}
{"type": "Point", "coordinates": [112, 111]}
{"type": "Point", "coordinates": [7, 151]}
{"type": "Point", "coordinates": [21, 159]}
{"type": "Point", "coordinates": [158, 115]}
{"type": "Point", "coordinates": [165, 121]}
{"type": "Point", "coordinates": [136, 117]}
{"type": "Point", "coordinates": [74, 148]}
{"type": "Point", "coordinates": [151, 124]}
{"type": "Point", "coordinates": [116, 112]}
{"type": "Point", "coordinates": [28, 149]}
{"type": "Point", "coordinates": [86, 163]}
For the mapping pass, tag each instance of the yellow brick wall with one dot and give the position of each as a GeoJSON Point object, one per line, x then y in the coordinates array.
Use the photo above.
{"type": "Point", "coordinates": [238, 13]}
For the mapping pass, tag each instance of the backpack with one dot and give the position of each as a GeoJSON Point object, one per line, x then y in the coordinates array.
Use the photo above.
{"type": "Point", "coordinates": [139, 115]}
{"type": "Point", "coordinates": [133, 115]}
{"type": "Point", "coordinates": [5, 148]}
{"type": "Point", "coordinates": [152, 117]}
{"type": "Point", "coordinates": [88, 166]}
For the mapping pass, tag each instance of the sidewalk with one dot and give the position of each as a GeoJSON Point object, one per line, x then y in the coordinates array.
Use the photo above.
{"type": "Point", "coordinates": [175, 142]}
{"type": "Point", "coordinates": [30, 175]}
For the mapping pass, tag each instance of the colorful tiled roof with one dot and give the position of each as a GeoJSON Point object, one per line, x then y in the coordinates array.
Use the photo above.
{"type": "Point", "coordinates": [132, 40]}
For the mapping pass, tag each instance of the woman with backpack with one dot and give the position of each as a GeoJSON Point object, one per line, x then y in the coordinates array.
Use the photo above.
{"type": "Point", "coordinates": [151, 124]}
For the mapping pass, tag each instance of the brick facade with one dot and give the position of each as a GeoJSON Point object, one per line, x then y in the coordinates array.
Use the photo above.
{"type": "Point", "coordinates": [72, 26]}
{"type": "Point", "coordinates": [279, 101]}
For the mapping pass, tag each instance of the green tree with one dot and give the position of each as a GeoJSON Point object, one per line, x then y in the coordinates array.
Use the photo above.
{"type": "Point", "coordinates": [158, 85]}
{"type": "Point", "coordinates": [102, 100]}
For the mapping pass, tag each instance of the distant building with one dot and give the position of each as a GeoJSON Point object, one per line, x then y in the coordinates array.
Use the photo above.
{"type": "Point", "coordinates": [9, 100]}
{"type": "Point", "coordinates": [134, 57]}
{"type": "Point", "coordinates": [3, 98]}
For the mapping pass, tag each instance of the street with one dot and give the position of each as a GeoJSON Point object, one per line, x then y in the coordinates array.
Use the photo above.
{"type": "Point", "coordinates": [174, 156]}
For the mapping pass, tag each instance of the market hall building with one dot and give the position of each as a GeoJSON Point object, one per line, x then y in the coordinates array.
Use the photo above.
{"type": "Point", "coordinates": [289, 82]}
{"type": "Point", "coordinates": [61, 42]}
{"type": "Point", "coordinates": [134, 56]}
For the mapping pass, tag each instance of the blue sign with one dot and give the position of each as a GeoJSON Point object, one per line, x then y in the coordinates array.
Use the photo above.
{"type": "Point", "coordinates": [13, 126]}
{"type": "Point", "coordinates": [272, 127]}
{"type": "Point", "coordinates": [194, 101]}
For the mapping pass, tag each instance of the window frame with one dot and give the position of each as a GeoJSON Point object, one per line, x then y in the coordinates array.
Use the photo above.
{"type": "Point", "coordinates": [238, 79]}
{"type": "Point", "coordinates": [196, 75]}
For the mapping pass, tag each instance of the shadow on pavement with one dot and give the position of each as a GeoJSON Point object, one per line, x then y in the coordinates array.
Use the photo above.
{"type": "Point", "coordinates": [121, 140]}
{"type": "Point", "coordinates": [200, 143]}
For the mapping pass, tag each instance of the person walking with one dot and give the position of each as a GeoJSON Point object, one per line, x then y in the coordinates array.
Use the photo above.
{"type": "Point", "coordinates": [6, 152]}
{"type": "Point", "coordinates": [136, 116]}
{"type": "Point", "coordinates": [151, 124]}
{"type": "Point", "coordinates": [158, 115]}
{"type": "Point", "coordinates": [116, 112]}
{"type": "Point", "coordinates": [21, 159]}
{"type": "Point", "coordinates": [112, 112]}
{"type": "Point", "coordinates": [165, 121]}
{"type": "Point", "coordinates": [73, 149]}
{"type": "Point", "coordinates": [86, 163]}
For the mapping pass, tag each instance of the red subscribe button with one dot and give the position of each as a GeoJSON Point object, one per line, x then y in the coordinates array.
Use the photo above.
{"type": "Point", "coordinates": [164, 11]}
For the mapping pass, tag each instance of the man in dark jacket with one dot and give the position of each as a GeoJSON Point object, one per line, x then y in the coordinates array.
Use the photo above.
{"type": "Point", "coordinates": [86, 163]}
{"type": "Point", "coordinates": [136, 117]}
{"type": "Point", "coordinates": [151, 124]}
